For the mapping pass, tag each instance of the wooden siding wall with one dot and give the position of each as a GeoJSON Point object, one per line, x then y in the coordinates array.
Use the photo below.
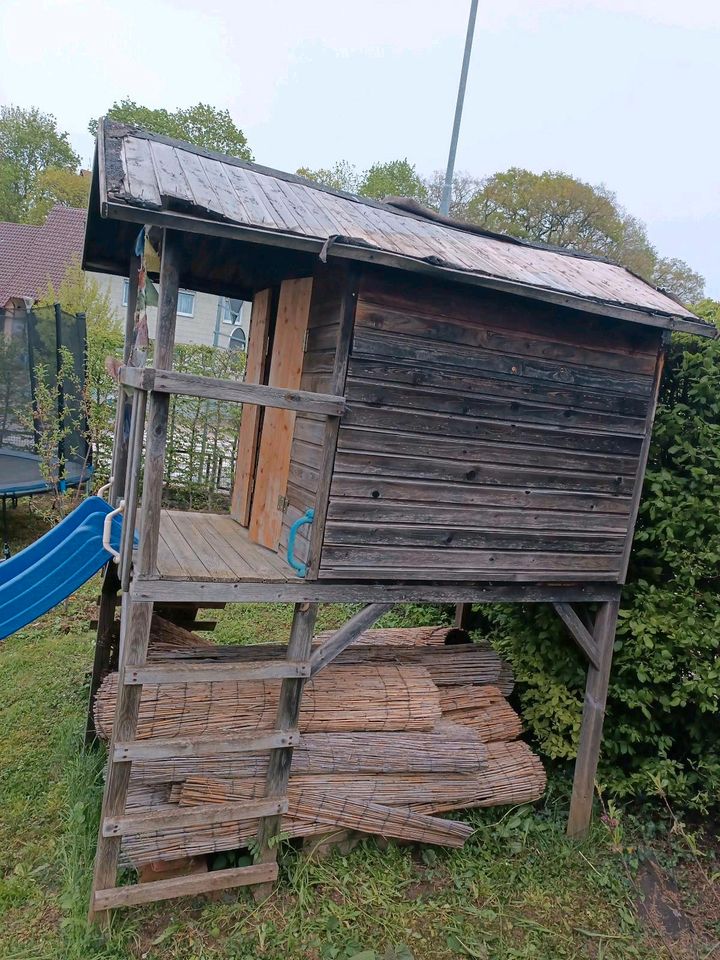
{"type": "Point", "coordinates": [306, 455]}
{"type": "Point", "coordinates": [486, 438]}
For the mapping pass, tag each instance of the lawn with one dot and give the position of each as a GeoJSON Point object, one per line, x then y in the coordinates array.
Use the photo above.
{"type": "Point", "coordinates": [518, 889]}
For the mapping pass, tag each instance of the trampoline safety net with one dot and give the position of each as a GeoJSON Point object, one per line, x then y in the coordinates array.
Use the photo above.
{"type": "Point", "coordinates": [43, 429]}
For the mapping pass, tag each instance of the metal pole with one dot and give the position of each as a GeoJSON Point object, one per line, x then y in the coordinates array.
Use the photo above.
{"type": "Point", "coordinates": [447, 186]}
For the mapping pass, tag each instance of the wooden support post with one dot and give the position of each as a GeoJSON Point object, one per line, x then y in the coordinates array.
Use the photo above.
{"type": "Point", "coordinates": [134, 640]}
{"type": "Point", "coordinates": [592, 722]}
{"type": "Point", "coordinates": [103, 645]}
{"type": "Point", "coordinates": [120, 445]}
{"type": "Point", "coordinates": [159, 405]}
{"type": "Point", "coordinates": [344, 636]}
{"type": "Point", "coordinates": [462, 615]}
{"type": "Point", "coordinates": [299, 646]}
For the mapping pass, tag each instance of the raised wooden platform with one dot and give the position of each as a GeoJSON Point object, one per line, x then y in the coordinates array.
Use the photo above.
{"type": "Point", "coordinates": [214, 548]}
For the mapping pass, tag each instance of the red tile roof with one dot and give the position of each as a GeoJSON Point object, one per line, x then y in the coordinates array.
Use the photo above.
{"type": "Point", "coordinates": [31, 257]}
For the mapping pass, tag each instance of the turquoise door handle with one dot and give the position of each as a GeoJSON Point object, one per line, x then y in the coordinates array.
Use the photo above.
{"type": "Point", "coordinates": [300, 568]}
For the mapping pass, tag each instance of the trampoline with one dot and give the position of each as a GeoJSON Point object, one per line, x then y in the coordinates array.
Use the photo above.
{"type": "Point", "coordinates": [41, 347]}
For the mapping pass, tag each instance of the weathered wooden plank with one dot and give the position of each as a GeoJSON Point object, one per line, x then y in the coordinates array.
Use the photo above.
{"type": "Point", "coordinates": [201, 815]}
{"type": "Point", "coordinates": [475, 588]}
{"type": "Point", "coordinates": [171, 176]}
{"type": "Point", "coordinates": [356, 439]}
{"type": "Point", "coordinates": [461, 537]}
{"type": "Point", "coordinates": [491, 333]}
{"type": "Point", "coordinates": [376, 394]}
{"type": "Point", "coordinates": [496, 384]}
{"type": "Point", "coordinates": [156, 749]}
{"type": "Point", "coordinates": [452, 471]}
{"type": "Point", "coordinates": [132, 896]}
{"type": "Point", "coordinates": [142, 184]}
{"type": "Point", "coordinates": [273, 464]}
{"type": "Point", "coordinates": [344, 635]}
{"type": "Point", "coordinates": [579, 632]}
{"type": "Point", "coordinates": [169, 673]}
{"type": "Point", "coordinates": [341, 560]}
{"type": "Point", "coordinates": [394, 347]}
{"type": "Point", "coordinates": [509, 430]}
{"type": "Point", "coordinates": [262, 310]}
{"type": "Point", "coordinates": [476, 516]}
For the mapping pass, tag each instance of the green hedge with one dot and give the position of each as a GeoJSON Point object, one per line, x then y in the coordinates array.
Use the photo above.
{"type": "Point", "coordinates": [662, 716]}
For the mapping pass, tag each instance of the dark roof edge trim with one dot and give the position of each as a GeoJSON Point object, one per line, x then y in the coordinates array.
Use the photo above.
{"type": "Point", "coordinates": [344, 248]}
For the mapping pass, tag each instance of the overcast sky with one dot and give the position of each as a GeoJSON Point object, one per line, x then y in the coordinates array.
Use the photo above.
{"type": "Point", "coordinates": [623, 92]}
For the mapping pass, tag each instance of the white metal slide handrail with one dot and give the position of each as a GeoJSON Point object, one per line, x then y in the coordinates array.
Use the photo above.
{"type": "Point", "coordinates": [107, 531]}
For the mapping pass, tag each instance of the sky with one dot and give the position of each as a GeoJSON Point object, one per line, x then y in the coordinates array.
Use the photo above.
{"type": "Point", "coordinates": [620, 92]}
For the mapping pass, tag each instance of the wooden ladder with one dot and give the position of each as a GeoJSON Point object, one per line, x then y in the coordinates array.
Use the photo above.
{"type": "Point", "coordinates": [115, 823]}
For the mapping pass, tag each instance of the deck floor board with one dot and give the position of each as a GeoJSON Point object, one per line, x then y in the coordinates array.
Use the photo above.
{"type": "Point", "coordinates": [214, 548]}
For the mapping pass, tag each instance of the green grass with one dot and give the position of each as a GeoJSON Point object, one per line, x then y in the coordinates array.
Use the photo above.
{"type": "Point", "coordinates": [518, 889]}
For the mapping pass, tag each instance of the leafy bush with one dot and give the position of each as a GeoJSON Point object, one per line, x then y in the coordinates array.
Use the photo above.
{"type": "Point", "coordinates": [665, 686]}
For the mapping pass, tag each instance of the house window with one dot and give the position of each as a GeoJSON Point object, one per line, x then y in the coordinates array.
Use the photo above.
{"type": "Point", "coordinates": [126, 291]}
{"type": "Point", "coordinates": [186, 303]}
{"type": "Point", "coordinates": [230, 310]}
{"type": "Point", "coordinates": [238, 340]}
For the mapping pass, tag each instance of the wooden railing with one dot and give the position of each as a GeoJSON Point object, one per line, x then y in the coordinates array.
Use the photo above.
{"type": "Point", "coordinates": [143, 383]}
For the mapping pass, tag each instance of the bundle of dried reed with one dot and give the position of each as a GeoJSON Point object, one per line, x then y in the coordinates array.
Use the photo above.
{"type": "Point", "coordinates": [363, 697]}
{"type": "Point", "coordinates": [484, 709]}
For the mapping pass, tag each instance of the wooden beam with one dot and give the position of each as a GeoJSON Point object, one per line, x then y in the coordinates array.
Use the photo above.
{"type": "Point", "coordinates": [134, 638]}
{"type": "Point", "coordinates": [579, 632]}
{"type": "Point", "coordinates": [164, 673]}
{"type": "Point", "coordinates": [105, 638]}
{"type": "Point", "coordinates": [299, 647]}
{"type": "Point", "coordinates": [159, 406]}
{"type": "Point", "coordinates": [342, 638]}
{"type": "Point", "coordinates": [348, 303]}
{"type": "Point", "coordinates": [204, 746]}
{"type": "Point", "coordinates": [203, 814]}
{"type": "Point", "coordinates": [596, 690]}
{"type": "Point", "coordinates": [137, 894]}
{"type": "Point", "coordinates": [120, 444]}
{"type": "Point", "coordinates": [463, 612]}
{"type": "Point", "coordinates": [328, 591]}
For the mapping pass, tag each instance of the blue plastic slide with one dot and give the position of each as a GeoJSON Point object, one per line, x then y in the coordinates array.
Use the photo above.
{"type": "Point", "coordinates": [49, 570]}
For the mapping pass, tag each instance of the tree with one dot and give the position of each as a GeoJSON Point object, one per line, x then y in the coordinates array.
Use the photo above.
{"type": "Point", "coordinates": [678, 278]}
{"type": "Point", "coordinates": [397, 178]}
{"type": "Point", "coordinates": [203, 125]}
{"type": "Point", "coordinates": [342, 176]}
{"type": "Point", "coordinates": [708, 310]}
{"type": "Point", "coordinates": [29, 143]}
{"type": "Point", "coordinates": [464, 189]}
{"type": "Point", "coordinates": [55, 185]}
{"type": "Point", "coordinates": [559, 210]}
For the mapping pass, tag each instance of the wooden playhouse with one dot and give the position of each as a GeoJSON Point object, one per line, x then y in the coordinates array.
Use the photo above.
{"type": "Point", "coordinates": [431, 413]}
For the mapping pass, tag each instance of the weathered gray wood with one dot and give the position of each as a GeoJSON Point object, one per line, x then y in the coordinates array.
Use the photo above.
{"type": "Point", "coordinates": [343, 337]}
{"type": "Point", "coordinates": [345, 635]}
{"type": "Point", "coordinates": [397, 590]}
{"type": "Point", "coordinates": [189, 384]}
{"type": "Point", "coordinates": [204, 746]}
{"type": "Point", "coordinates": [201, 815]}
{"type": "Point", "coordinates": [134, 637]}
{"type": "Point", "coordinates": [163, 673]}
{"type": "Point", "coordinates": [134, 465]}
{"type": "Point", "coordinates": [159, 405]}
{"type": "Point", "coordinates": [299, 647]}
{"type": "Point", "coordinates": [104, 642]}
{"type": "Point", "coordinates": [183, 886]}
{"type": "Point", "coordinates": [120, 444]}
{"type": "Point", "coordinates": [596, 690]}
{"type": "Point", "coordinates": [463, 614]}
{"type": "Point", "coordinates": [642, 460]}
{"type": "Point", "coordinates": [579, 632]}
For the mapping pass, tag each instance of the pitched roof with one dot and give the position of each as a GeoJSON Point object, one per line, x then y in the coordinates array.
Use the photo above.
{"type": "Point", "coordinates": [151, 179]}
{"type": "Point", "coordinates": [33, 256]}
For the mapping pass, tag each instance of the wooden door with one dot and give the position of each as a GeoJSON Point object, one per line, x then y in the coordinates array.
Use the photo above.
{"type": "Point", "coordinates": [273, 464]}
{"type": "Point", "coordinates": [250, 423]}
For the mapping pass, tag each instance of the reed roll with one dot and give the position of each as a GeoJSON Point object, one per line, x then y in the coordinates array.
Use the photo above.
{"type": "Point", "coordinates": [364, 697]}
{"type": "Point", "coordinates": [484, 709]}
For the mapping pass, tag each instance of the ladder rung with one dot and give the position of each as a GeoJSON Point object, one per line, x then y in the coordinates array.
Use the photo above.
{"type": "Point", "coordinates": [214, 672]}
{"type": "Point", "coordinates": [205, 746]}
{"type": "Point", "coordinates": [136, 894]}
{"type": "Point", "coordinates": [201, 815]}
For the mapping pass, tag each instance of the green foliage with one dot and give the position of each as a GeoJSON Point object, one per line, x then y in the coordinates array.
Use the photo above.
{"type": "Point", "coordinates": [56, 185]}
{"type": "Point", "coordinates": [398, 178]}
{"type": "Point", "coordinates": [678, 278]}
{"type": "Point", "coordinates": [204, 125]}
{"type": "Point", "coordinates": [30, 142]}
{"type": "Point", "coordinates": [665, 688]}
{"type": "Point", "coordinates": [342, 176]}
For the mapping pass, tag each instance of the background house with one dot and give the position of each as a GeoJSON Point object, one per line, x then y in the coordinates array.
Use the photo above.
{"type": "Point", "coordinates": [31, 257]}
